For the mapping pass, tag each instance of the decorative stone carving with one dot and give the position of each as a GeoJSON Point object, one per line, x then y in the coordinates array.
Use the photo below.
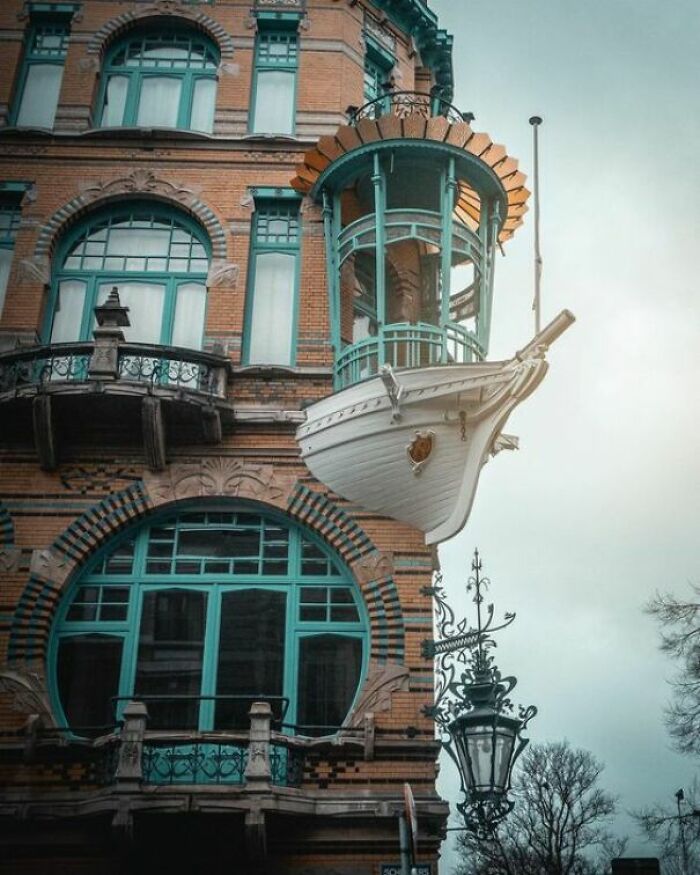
{"type": "Point", "coordinates": [222, 273]}
{"type": "Point", "coordinates": [228, 68]}
{"type": "Point", "coordinates": [382, 681]}
{"type": "Point", "coordinates": [375, 566]}
{"type": "Point", "coordinates": [9, 559]}
{"type": "Point", "coordinates": [91, 64]}
{"type": "Point", "coordinates": [33, 270]}
{"type": "Point", "coordinates": [28, 690]}
{"type": "Point", "coordinates": [49, 565]}
{"type": "Point", "coordinates": [140, 181]}
{"type": "Point", "coordinates": [218, 476]}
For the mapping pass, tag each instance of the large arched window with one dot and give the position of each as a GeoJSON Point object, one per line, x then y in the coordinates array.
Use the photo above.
{"type": "Point", "coordinates": [200, 614]}
{"type": "Point", "coordinates": [158, 259]}
{"type": "Point", "coordinates": [160, 78]}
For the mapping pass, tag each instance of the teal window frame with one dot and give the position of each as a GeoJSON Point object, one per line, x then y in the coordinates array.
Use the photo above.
{"type": "Point", "coordinates": [38, 52]}
{"type": "Point", "coordinates": [10, 217]}
{"type": "Point", "coordinates": [188, 74]}
{"type": "Point", "coordinates": [284, 31]}
{"type": "Point", "coordinates": [101, 571]}
{"type": "Point", "coordinates": [267, 208]}
{"type": "Point", "coordinates": [94, 278]}
{"type": "Point", "coordinates": [378, 65]}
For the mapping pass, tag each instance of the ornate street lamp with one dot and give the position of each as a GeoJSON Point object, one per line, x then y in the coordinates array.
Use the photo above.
{"type": "Point", "coordinates": [478, 723]}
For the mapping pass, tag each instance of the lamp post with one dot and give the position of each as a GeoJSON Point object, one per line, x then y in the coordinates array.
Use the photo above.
{"type": "Point", "coordinates": [479, 726]}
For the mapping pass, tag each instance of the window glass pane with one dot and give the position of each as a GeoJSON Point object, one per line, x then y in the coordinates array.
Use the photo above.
{"type": "Point", "coordinates": [137, 241]}
{"type": "Point", "coordinates": [40, 95]}
{"type": "Point", "coordinates": [5, 266]}
{"type": "Point", "coordinates": [188, 326]}
{"type": "Point", "coordinates": [329, 672]}
{"type": "Point", "coordinates": [271, 323]}
{"type": "Point", "coordinates": [171, 648]}
{"type": "Point", "coordinates": [68, 313]}
{"type": "Point", "coordinates": [115, 101]}
{"type": "Point", "coordinates": [219, 543]}
{"type": "Point", "coordinates": [159, 102]}
{"type": "Point", "coordinates": [274, 102]}
{"type": "Point", "coordinates": [88, 679]}
{"type": "Point", "coordinates": [251, 654]}
{"type": "Point", "coordinates": [203, 102]}
{"type": "Point", "coordinates": [145, 303]}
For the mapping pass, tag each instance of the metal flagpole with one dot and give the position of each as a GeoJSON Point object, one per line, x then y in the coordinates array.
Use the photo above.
{"type": "Point", "coordinates": [536, 121]}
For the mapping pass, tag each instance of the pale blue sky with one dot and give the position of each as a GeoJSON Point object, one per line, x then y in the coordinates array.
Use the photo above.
{"type": "Point", "coordinates": [601, 505]}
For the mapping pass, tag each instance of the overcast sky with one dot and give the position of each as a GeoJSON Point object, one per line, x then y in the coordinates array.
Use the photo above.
{"type": "Point", "coordinates": [601, 505]}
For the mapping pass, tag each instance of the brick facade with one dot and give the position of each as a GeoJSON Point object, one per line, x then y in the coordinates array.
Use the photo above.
{"type": "Point", "coordinates": [56, 813]}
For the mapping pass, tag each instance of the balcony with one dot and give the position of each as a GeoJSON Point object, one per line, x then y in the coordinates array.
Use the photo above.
{"type": "Point", "coordinates": [107, 390]}
{"type": "Point", "coordinates": [403, 104]}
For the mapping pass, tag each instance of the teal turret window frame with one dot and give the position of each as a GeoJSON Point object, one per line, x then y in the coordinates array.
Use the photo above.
{"type": "Point", "coordinates": [41, 74]}
{"type": "Point", "coordinates": [275, 76]}
{"type": "Point", "coordinates": [181, 62]}
{"type": "Point", "coordinates": [212, 558]}
{"type": "Point", "coordinates": [272, 297]}
{"type": "Point", "coordinates": [109, 248]}
{"type": "Point", "coordinates": [379, 63]}
{"type": "Point", "coordinates": [11, 194]}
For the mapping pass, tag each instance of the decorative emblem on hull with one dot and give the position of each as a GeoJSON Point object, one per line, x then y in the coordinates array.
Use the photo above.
{"type": "Point", "coordinates": [420, 450]}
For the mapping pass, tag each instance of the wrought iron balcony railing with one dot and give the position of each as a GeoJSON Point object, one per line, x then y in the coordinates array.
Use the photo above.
{"type": "Point", "coordinates": [406, 345]}
{"type": "Point", "coordinates": [403, 104]}
{"type": "Point", "coordinates": [70, 364]}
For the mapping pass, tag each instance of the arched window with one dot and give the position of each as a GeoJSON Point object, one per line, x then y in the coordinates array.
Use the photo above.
{"type": "Point", "coordinates": [160, 78]}
{"type": "Point", "coordinates": [200, 614]}
{"type": "Point", "coordinates": [158, 260]}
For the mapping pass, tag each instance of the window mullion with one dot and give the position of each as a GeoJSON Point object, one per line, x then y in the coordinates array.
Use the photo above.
{"type": "Point", "coordinates": [212, 633]}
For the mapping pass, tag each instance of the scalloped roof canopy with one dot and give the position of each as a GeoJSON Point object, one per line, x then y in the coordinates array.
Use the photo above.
{"type": "Point", "coordinates": [490, 157]}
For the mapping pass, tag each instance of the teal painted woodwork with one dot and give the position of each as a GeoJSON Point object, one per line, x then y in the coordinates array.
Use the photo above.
{"type": "Point", "coordinates": [10, 215]}
{"type": "Point", "coordinates": [274, 83]}
{"type": "Point", "coordinates": [187, 609]}
{"type": "Point", "coordinates": [157, 257]}
{"type": "Point", "coordinates": [272, 305]}
{"type": "Point", "coordinates": [434, 44]}
{"type": "Point", "coordinates": [41, 73]}
{"type": "Point", "coordinates": [406, 192]}
{"type": "Point", "coordinates": [160, 78]}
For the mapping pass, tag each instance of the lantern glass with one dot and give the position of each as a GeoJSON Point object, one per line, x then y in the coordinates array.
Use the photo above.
{"type": "Point", "coordinates": [484, 750]}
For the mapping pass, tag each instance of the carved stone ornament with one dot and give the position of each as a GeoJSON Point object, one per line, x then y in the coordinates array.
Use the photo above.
{"type": "Point", "coordinates": [140, 181]}
{"type": "Point", "coordinates": [218, 476]}
{"type": "Point", "coordinates": [28, 691]}
{"type": "Point", "coordinates": [49, 565]}
{"type": "Point", "coordinates": [376, 566]}
{"type": "Point", "coordinates": [91, 64]}
{"type": "Point", "coordinates": [382, 681]}
{"type": "Point", "coordinates": [420, 450]}
{"type": "Point", "coordinates": [33, 270]}
{"type": "Point", "coordinates": [9, 559]}
{"type": "Point", "coordinates": [222, 273]}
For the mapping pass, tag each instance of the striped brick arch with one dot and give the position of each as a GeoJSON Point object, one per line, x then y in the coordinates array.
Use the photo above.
{"type": "Point", "coordinates": [53, 568]}
{"type": "Point", "coordinates": [115, 27]}
{"type": "Point", "coordinates": [141, 184]}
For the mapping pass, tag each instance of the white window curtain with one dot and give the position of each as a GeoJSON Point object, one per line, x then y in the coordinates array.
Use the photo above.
{"type": "Point", "coordinates": [272, 318]}
{"type": "Point", "coordinates": [274, 102]}
{"type": "Point", "coordinates": [188, 325]}
{"type": "Point", "coordinates": [145, 303]}
{"type": "Point", "coordinates": [115, 101]}
{"type": "Point", "coordinates": [159, 102]}
{"type": "Point", "coordinates": [68, 313]}
{"type": "Point", "coordinates": [40, 96]}
{"type": "Point", "coordinates": [203, 103]}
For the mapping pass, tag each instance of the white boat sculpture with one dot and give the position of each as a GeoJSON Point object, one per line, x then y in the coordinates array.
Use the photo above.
{"type": "Point", "coordinates": [410, 444]}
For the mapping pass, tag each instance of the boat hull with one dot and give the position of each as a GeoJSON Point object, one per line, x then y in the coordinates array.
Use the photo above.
{"type": "Point", "coordinates": [411, 445]}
